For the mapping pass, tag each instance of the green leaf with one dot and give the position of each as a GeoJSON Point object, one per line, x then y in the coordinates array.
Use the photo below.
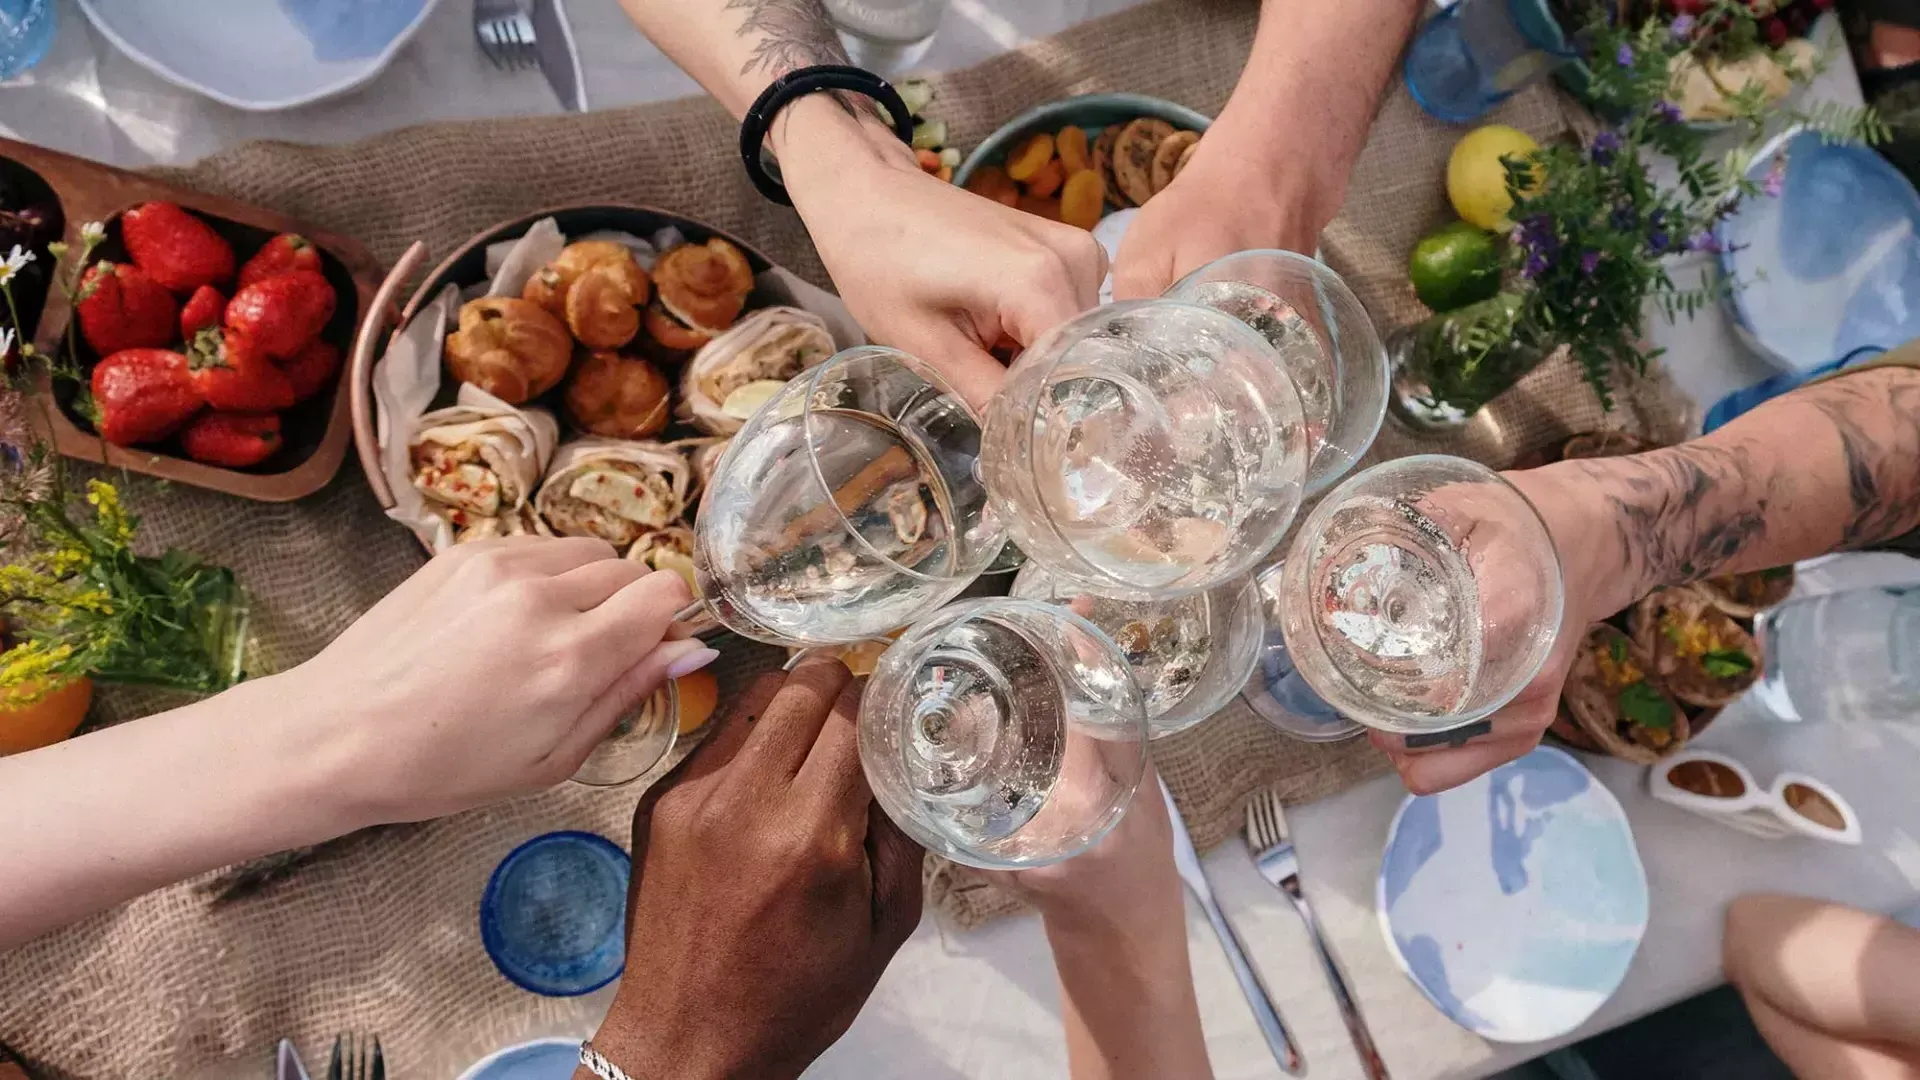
{"type": "Point", "coordinates": [1617, 648]}
{"type": "Point", "coordinates": [1727, 663]}
{"type": "Point", "coordinates": [1645, 706]}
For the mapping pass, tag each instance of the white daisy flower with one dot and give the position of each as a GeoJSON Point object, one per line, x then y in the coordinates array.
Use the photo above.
{"type": "Point", "coordinates": [93, 232]}
{"type": "Point", "coordinates": [6, 340]}
{"type": "Point", "coordinates": [17, 258]}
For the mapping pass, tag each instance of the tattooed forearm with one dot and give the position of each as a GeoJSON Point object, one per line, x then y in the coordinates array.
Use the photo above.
{"type": "Point", "coordinates": [1682, 514]}
{"type": "Point", "coordinates": [791, 34]}
{"type": "Point", "coordinates": [1878, 426]}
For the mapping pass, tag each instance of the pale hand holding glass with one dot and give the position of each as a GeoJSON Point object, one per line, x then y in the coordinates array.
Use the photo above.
{"type": "Point", "coordinates": [1324, 338]}
{"type": "Point", "coordinates": [1146, 449]}
{"type": "Point", "coordinates": [1003, 734]}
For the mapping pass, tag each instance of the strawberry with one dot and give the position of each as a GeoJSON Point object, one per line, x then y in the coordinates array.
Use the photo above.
{"type": "Point", "coordinates": [233, 439]}
{"type": "Point", "coordinates": [288, 251]}
{"type": "Point", "coordinates": [312, 369]}
{"type": "Point", "coordinates": [283, 313]}
{"type": "Point", "coordinates": [178, 249]}
{"type": "Point", "coordinates": [1777, 32]}
{"type": "Point", "coordinates": [230, 372]}
{"type": "Point", "coordinates": [203, 309]}
{"type": "Point", "coordinates": [143, 395]}
{"type": "Point", "coordinates": [122, 308]}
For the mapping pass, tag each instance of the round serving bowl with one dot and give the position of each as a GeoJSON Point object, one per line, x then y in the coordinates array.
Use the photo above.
{"type": "Point", "coordinates": [467, 265]}
{"type": "Point", "coordinates": [1089, 111]}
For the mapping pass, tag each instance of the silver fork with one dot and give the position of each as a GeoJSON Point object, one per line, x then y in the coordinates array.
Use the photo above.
{"type": "Point", "coordinates": [1187, 861]}
{"type": "Point", "coordinates": [1273, 853]}
{"type": "Point", "coordinates": [505, 33]}
{"type": "Point", "coordinates": [354, 1059]}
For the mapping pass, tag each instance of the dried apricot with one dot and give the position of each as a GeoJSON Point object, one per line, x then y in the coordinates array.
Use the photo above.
{"type": "Point", "coordinates": [992, 182]}
{"type": "Point", "coordinates": [1083, 199]}
{"type": "Point", "coordinates": [1071, 145]}
{"type": "Point", "coordinates": [1032, 156]}
{"type": "Point", "coordinates": [1046, 208]}
{"type": "Point", "coordinates": [1048, 180]}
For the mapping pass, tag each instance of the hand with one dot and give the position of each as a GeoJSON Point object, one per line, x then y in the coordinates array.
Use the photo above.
{"type": "Point", "coordinates": [1518, 726]}
{"type": "Point", "coordinates": [932, 269]}
{"type": "Point", "coordinates": [1126, 881]}
{"type": "Point", "coordinates": [492, 671]}
{"type": "Point", "coordinates": [1222, 202]}
{"type": "Point", "coordinates": [769, 891]}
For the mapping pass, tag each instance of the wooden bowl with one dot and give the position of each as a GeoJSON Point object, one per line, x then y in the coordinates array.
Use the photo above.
{"type": "Point", "coordinates": [1089, 111]}
{"type": "Point", "coordinates": [467, 265]}
{"type": "Point", "coordinates": [316, 431]}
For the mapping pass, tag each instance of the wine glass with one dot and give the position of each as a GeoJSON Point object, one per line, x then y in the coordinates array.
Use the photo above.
{"type": "Point", "coordinates": [1003, 733]}
{"type": "Point", "coordinates": [1189, 654]}
{"type": "Point", "coordinates": [1146, 449]}
{"type": "Point", "coordinates": [1325, 339]}
{"type": "Point", "coordinates": [641, 740]}
{"type": "Point", "coordinates": [1421, 595]}
{"type": "Point", "coordinates": [846, 507]}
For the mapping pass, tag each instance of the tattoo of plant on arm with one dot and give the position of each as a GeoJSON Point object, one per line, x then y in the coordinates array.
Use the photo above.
{"type": "Point", "coordinates": [1878, 426]}
{"type": "Point", "coordinates": [1682, 513]}
{"type": "Point", "coordinates": [793, 34]}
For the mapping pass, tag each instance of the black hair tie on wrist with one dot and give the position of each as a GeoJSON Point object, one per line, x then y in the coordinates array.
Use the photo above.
{"type": "Point", "coordinates": [797, 84]}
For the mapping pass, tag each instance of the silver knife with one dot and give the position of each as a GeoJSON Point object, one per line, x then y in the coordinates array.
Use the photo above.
{"type": "Point", "coordinates": [554, 50]}
{"type": "Point", "coordinates": [288, 1065]}
{"type": "Point", "coordinates": [1187, 861]}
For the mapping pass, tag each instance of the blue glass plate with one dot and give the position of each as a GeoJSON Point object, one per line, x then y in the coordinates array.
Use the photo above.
{"type": "Point", "coordinates": [1514, 902]}
{"type": "Point", "coordinates": [553, 917]}
{"type": "Point", "coordinates": [541, 1059]}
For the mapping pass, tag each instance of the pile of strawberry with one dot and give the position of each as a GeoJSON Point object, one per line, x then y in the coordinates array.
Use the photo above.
{"type": "Point", "coordinates": [177, 357]}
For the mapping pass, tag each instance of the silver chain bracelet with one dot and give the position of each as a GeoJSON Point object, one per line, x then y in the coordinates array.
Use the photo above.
{"type": "Point", "coordinates": [600, 1066]}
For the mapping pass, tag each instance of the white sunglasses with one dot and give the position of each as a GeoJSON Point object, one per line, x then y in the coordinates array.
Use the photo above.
{"type": "Point", "coordinates": [1716, 786]}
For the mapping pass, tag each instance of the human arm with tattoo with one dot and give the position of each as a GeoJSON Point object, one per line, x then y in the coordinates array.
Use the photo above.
{"type": "Point", "coordinates": [923, 265]}
{"type": "Point", "coordinates": [1831, 466]}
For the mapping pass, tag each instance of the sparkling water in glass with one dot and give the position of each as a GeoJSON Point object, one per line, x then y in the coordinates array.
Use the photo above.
{"type": "Point", "coordinates": [1845, 656]}
{"type": "Point", "coordinates": [1325, 340]}
{"type": "Point", "coordinates": [1189, 655]}
{"type": "Point", "coordinates": [1147, 449]}
{"type": "Point", "coordinates": [26, 32]}
{"type": "Point", "coordinates": [886, 36]}
{"type": "Point", "coordinates": [1422, 594]}
{"type": "Point", "coordinates": [1472, 56]}
{"type": "Point", "coordinates": [1003, 733]}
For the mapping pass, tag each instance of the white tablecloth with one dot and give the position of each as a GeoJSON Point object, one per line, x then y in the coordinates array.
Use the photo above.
{"type": "Point", "coordinates": [984, 1004]}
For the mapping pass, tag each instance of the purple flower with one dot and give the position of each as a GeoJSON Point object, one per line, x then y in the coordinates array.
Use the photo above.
{"type": "Point", "coordinates": [1623, 218]}
{"type": "Point", "coordinates": [1536, 265]}
{"type": "Point", "coordinates": [1659, 243]}
{"type": "Point", "coordinates": [1682, 27]}
{"type": "Point", "coordinates": [1668, 111]}
{"type": "Point", "coordinates": [1605, 145]}
{"type": "Point", "coordinates": [1589, 262]}
{"type": "Point", "coordinates": [1703, 241]}
{"type": "Point", "coordinates": [1625, 56]}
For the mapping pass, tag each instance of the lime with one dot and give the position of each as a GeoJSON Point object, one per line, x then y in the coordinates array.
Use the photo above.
{"type": "Point", "coordinates": [1455, 266]}
{"type": "Point", "coordinates": [1477, 181]}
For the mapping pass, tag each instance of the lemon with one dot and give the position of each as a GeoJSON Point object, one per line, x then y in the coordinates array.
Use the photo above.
{"type": "Point", "coordinates": [1455, 266]}
{"type": "Point", "coordinates": [746, 400]}
{"type": "Point", "coordinates": [1477, 181]}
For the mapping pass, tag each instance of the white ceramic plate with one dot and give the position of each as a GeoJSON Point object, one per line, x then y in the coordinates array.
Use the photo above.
{"type": "Point", "coordinates": [1515, 902]}
{"type": "Point", "coordinates": [541, 1059]}
{"type": "Point", "coordinates": [260, 55]}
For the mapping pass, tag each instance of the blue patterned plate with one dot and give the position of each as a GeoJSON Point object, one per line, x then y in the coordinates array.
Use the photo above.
{"type": "Point", "coordinates": [1514, 902]}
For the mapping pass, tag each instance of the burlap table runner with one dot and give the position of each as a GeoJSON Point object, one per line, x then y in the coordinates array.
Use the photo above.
{"type": "Point", "coordinates": [382, 937]}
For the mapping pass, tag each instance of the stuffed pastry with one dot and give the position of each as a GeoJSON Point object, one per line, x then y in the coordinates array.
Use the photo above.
{"type": "Point", "coordinates": [615, 490]}
{"type": "Point", "coordinates": [739, 370]}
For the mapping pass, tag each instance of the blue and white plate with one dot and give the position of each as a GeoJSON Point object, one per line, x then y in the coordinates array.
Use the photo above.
{"type": "Point", "coordinates": [260, 55]}
{"type": "Point", "coordinates": [1831, 265]}
{"type": "Point", "coordinates": [541, 1059]}
{"type": "Point", "coordinates": [1515, 902]}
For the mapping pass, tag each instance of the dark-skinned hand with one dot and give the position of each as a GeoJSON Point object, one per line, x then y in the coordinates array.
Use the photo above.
{"type": "Point", "coordinates": [769, 892]}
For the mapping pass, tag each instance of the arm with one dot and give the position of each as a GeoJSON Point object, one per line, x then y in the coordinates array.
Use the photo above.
{"type": "Point", "coordinates": [1272, 170]}
{"type": "Point", "coordinates": [1116, 921]}
{"type": "Point", "coordinates": [493, 671]}
{"type": "Point", "coordinates": [1831, 465]}
{"type": "Point", "coordinates": [923, 265]}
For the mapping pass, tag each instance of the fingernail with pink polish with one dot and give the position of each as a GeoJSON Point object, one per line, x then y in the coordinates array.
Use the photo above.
{"type": "Point", "coordinates": [692, 662]}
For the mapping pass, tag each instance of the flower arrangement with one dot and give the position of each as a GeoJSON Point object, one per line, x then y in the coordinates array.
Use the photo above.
{"type": "Point", "coordinates": [75, 598]}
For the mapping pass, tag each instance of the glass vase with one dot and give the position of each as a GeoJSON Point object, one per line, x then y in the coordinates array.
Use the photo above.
{"type": "Point", "coordinates": [1450, 366]}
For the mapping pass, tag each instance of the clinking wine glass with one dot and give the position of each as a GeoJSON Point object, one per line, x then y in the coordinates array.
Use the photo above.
{"type": "Point", "coordinates": [1326, 342]}
{"type": "Point", "coordinates": [1189, 654]}
{"type": "Point", "coordinates": [1420, 595]}
{"type": "Point", "coordinates": [1003, 733]}
{"type": "Point", "coordinates": [1146, 449]}
{"type": "Point", "coordinates": [846, 507]}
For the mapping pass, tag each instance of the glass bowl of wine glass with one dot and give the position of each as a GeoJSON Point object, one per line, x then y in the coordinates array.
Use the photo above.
{"type": "Point", "coordinates": [1325, 341]}
{"type": "Point", "coordinates": [1003, 733]}
{"type": "Point", "coordinates": [1146, 449]}
{"type": "Point", "coordinates": [847, 506]}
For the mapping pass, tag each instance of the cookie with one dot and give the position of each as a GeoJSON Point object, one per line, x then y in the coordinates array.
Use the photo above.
{"type": "Point", "coordinates": [1166, 157]}
{"type": "Point", "coordinates": [1103, 163]}
{"type": "Point", "coordinates": [1133, 157]}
